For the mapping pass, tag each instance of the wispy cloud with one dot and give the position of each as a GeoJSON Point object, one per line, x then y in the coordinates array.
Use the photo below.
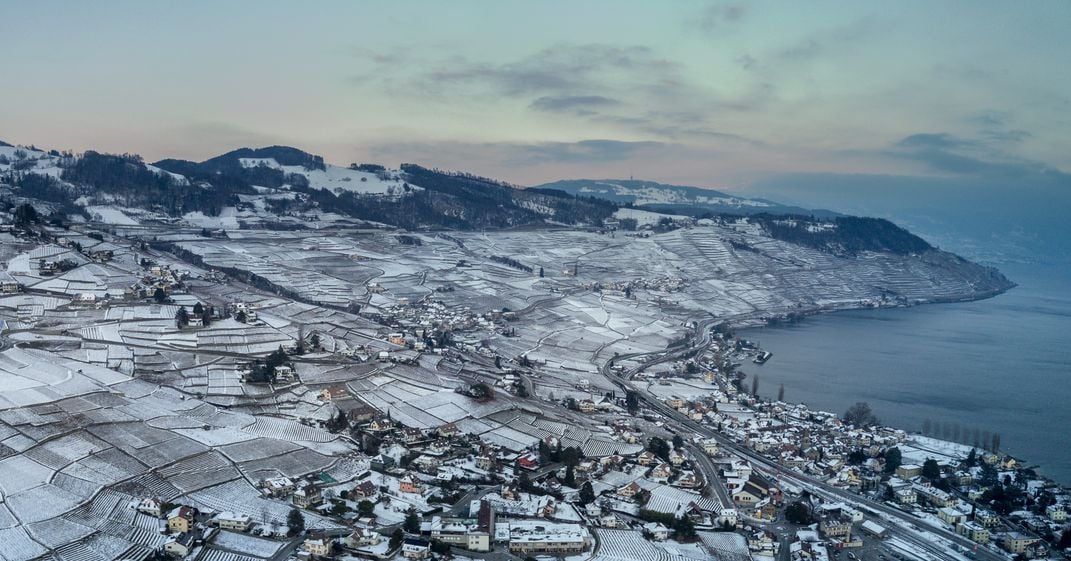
{"type": "Point", "coordinates": [632, 88]}
{"type": "Point", "coordinates": [719, 15]}
{"type": "Point", "coordinates": [561, 70]}
{"type": "Point", "coordinates": [579, 104]}
{"type": "Point", "coordinates": [948, 153]}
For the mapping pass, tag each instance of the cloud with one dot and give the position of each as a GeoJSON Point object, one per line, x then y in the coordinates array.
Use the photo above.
{"type": "Point", "coordinates": [582, 104]}
{"type": "Point", "coordinates": [747, 62]}
{"type": "Point", "coordinates": [560, 70]}
{"type": "Point", "coordinates": [598, 150]}
{"type": "Point", "coordinates": [632, 88]}
{"type": "Point", "coordinates": [717, 16]}
{"type": "Point", "coordinates": [1007, 135]}
{"type": "Point", "coordinates": [948, 153]}
{"type": "Point", "coordinates": [940, 141]}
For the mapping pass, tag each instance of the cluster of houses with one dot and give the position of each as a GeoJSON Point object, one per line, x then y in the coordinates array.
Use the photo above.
{"type": "Point", "coordinates": [822, 445]}
{"type": "Point", "coordinates": [186, 527]}
{"type": "Point", "coordinates": [536, 506]}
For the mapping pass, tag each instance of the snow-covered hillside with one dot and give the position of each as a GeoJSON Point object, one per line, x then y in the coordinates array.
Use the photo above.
{"type": "Point", "coordinates": [336, 178]}
{"type": "Point", "coordinates": [19, 158]}
{"type": "Point", "coordinates": [656, 193]}
{"type": "Point", "coordinates": [646, 217]}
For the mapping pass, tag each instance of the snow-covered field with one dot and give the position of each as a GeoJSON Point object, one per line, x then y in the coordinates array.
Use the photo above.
{"type": "Point", "coordinates": [336, 178]}
{"type": "Point", "coordinates": [646, 217]}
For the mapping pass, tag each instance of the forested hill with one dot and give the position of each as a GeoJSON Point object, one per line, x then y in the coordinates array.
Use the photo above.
{"type": "Point", "coordinates": [280, 186]}
{"type": "Point", "coordinates": [279, 182]}
{"type": "Point", "coordinates": [674, 199]}
{"type": "Point", "coordinates": [843, 235]}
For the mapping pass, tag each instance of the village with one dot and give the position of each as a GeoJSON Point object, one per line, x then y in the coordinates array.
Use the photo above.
{"type": "Point", "coordinates": [175, 397]}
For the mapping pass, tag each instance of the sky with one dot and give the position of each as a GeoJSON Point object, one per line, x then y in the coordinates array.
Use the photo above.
{"type": "Point", "coordinates": [724, 95]}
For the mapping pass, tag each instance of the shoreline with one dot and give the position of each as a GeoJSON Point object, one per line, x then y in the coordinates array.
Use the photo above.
{"type": "Point", "coordinates": [760, 319]}
{"type": "Point", "coordinates": [755, 324]}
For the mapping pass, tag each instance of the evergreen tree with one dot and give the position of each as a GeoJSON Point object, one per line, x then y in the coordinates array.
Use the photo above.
{"type": "Point", "coordinates": [182, 317]}
{"type": "Point", "coordinates": [587, 493]}
{"type": "Point", "coordinates": [684, 529]}
{"type": "Point", "coordinates": [658, 447]}
{"type": "Point", "coordinates": [412, 523]}
{"type": "Point", "coordinates": [893, 459]}
{"type": "Point", "coordinates": [295, 521]}
{"type": "Point", "coordinates": [799, 513]}
{"type": "Point", "coordinates": [366, 508]}
{"type": "Point", "coordinates": [930, 470]}
{"type": "Point", "coordinates": [26, 215]}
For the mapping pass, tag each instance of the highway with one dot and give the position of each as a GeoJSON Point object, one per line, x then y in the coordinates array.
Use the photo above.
{"type": "Point", "coordinates": [896, 521]}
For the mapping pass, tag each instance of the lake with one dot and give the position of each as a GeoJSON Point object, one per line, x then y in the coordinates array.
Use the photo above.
{"type": "Point", "coordinates": [1001, 365]}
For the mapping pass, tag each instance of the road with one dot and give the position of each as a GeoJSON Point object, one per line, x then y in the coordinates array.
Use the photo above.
{"type": "Point", "coordinates": [710, 475]}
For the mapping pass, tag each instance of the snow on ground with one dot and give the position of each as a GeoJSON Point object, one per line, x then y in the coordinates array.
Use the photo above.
{"type": "Point", "coordinates": [337, 178]}
{"type": "Point", "coordinates": [645, 217]}
{"type": "Point", "coordinates": [227, 219]}
{"type": "Point", "coordinates": [110, 215]}
{"type": "Point", "coordinates": [179, 179]}
{"type": "Point", "coordinates": [918, 448]}
{"type": "Point", "coordinates": [247, 544]}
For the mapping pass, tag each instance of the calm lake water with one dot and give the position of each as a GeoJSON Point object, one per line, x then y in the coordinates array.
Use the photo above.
{"type": "Point", "coordinates": [1000, 365]}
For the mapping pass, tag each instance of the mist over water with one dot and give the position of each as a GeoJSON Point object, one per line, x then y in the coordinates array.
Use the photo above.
{"type": "Point", "coordinates": [999, 365]}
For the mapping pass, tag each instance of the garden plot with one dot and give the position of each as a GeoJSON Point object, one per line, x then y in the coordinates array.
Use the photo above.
{"type": "Point", "coordinates": [246, 544]}
{"type": "Point", "coordinates": [20, 473]}
{"type": "Point", "coordinates": [626, 545]}
{"type": "Point", "coordinates": [289, 430]}
{"type": "Point", "coordinates": [258, 449]}
{"type": "Point", "coordinates": [108, 467]}
{"type": "Point", "coordinates": [240, 497]}
{"type": "Point", "coordinates": [16, 545]}
{"type": "Point", "coordinates": [291, 464]}
{"type": "Point", "coordinates": [41, 503]}
{"type": "Point", "coordinates": [57, 532]}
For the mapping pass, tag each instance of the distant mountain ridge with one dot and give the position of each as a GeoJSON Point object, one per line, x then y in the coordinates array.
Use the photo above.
{"type": "Point", "coordinates": [676, 199]}
{"type": "Point", "coordinates": [282, 187]}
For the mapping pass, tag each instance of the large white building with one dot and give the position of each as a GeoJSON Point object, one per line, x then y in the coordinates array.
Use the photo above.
{"type": "Point", "coordinates": [538, 536]}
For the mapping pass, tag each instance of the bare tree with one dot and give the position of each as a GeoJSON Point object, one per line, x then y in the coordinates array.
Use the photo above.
{"type": "Point", "coordinates": [755, 386]}
{"type": "Point", "coordinates": [860, 415]}
{"type": "Point", "coordinates": [996, 442]}
{"type": "Point", "coordinates": [781, 393]}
